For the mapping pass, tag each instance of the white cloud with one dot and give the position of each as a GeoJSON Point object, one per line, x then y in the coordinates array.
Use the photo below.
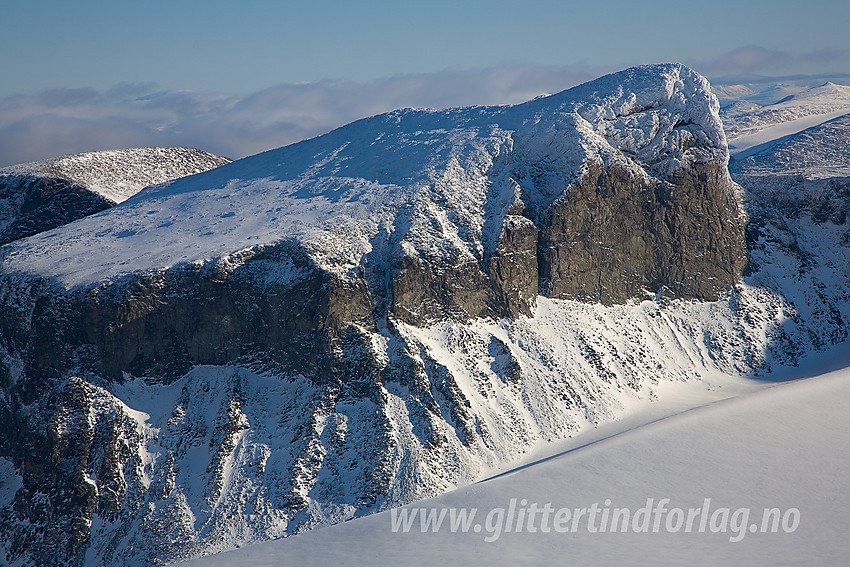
{"type": "Point", "coordinates": [62, 121]}
{"type": "Point", "coordinates": [752, 60]}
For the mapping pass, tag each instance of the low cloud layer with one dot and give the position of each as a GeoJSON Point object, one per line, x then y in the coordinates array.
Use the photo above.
{"type": "Point", "coordinates": [755, 60]}
{"type": "Point", "coordinates": [63, 121]}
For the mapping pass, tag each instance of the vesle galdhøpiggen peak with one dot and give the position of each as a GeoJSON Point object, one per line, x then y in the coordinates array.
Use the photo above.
{"type": "Point", "coordinates": [383, 313]}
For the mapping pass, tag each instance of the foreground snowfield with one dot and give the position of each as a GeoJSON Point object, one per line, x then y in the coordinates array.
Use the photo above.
{"type": "Point", "coordinates": [782, 446]}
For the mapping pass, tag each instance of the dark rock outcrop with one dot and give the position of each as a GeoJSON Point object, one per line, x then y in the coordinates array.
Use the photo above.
{"type": "Point", "coordinates": [615, 235]}
{"type": "Point", "coordinates": [36, 204]}
{"type": "Point", "coordinates": [504, 285]}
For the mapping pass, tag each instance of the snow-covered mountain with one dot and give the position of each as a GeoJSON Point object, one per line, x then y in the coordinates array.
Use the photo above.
{"type": "Point", "coordinates": [797, 172]}
{"type": "Point", "coordinates": [384, 313]}
{"type": "Point", "coordinates": [756, 94]}
{"type": "Point", "coordinates": [442, 188]}
{"type": "Point", "coordinates": [749, 125]}
{"type": "Point", "coordinates": [38, 196]}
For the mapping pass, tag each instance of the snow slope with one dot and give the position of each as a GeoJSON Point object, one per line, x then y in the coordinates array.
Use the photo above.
{"type": "Point", "coordinates": [819, 152]}
{"type": "Point", "coordinates": [785, 447]}
{"type": "Point", "coordinates": [36, 197]}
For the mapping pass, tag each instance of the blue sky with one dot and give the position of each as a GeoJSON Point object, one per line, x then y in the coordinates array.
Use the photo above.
{"type": "Point", "coordinates": [239, 47]}
{"type": "Point", "coordinates": [62, 61]}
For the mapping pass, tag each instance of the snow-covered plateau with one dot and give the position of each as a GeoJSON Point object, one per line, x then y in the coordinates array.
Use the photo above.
{"type": "Point", "coordinates": [421, 300]}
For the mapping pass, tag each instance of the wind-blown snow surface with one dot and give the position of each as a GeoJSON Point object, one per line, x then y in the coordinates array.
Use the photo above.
{"type": "Point", "coordinates": [785, 447]}
{"type": "Point", "coordinates": [412, 173]}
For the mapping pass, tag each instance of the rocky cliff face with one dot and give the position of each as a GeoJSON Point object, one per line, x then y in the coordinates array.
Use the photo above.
{"type": "Point", "coordinates": [38, 196]}
{"type": "Point", "coordinates": [615, 236]}
{"type": "Point", "coordinates": [345, 324]}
